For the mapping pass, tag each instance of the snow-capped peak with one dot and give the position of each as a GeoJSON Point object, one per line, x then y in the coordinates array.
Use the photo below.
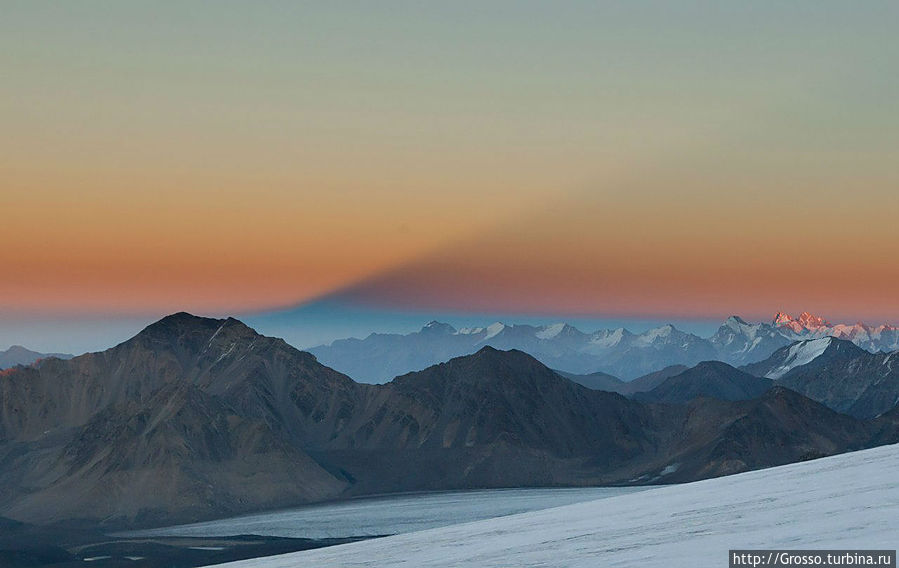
{"type": "Point", "coordinates": [663, 331]}
{"type": "Point", "coordinates": [780, 318]}
{"type": "Point", "coordinates": [880, 338]}
{"type": "Point", "coordinates": [437, 326]}
{"type": "Point", "coordinates": [806, 322]}
{"type": "Point", "coordinates": [812, 322]}
{"type": "Point", "coordinates": [738, 324]}
{"type": "Point", "coordinates": [551, 331]}
{"type": "Point", "coordinates": [656, 335]}
{"type": "Point", "coordinates": [609, 338]}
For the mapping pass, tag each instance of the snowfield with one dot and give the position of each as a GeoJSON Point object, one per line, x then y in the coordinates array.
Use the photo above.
{"type": "Point", "coordinates": [841, 502]}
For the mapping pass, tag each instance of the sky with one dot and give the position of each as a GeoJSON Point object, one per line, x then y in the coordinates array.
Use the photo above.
{"type": "Point", "coordinates": [644, 160]}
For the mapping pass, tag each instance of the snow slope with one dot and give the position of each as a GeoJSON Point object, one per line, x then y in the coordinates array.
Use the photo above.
{"type": "Point", "coordinates": [840, 502]}
{"type": "Point", "coordinates": [801, 353]}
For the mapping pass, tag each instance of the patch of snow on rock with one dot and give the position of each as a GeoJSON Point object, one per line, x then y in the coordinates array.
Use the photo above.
{"type": "Point", "coordinates": [800, 354]}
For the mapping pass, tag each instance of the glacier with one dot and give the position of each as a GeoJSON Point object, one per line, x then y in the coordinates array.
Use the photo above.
{"type": "Point", "coordinates": [840, 502]}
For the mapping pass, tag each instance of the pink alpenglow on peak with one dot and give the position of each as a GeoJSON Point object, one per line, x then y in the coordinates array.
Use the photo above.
{"type": "Point", "coordinates": [873, 338]}
{"type": "Point", "coordinates": [805, 322]}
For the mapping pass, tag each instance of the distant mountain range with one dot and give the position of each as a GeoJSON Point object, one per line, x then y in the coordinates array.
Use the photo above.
{"type": "Point", "coordinates": [18, 355]}
{"type": "Point", "coordinates": [619, 353]}
{"type": "Point", "coordinates": [196, 418]}
{"type": "Point", "coordinates": [874, 338]}
{"type": "Point", "coordinates": [834, 372]}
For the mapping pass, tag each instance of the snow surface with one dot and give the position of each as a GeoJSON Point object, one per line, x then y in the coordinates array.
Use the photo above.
{"type": "Point", "coordinates": [470, 331]}
{"type": "Point", "coordinates": [801, 353]}
{"type": "Point", "coordinates": [389, 514]}
{"type": "Point", "coordinates": [608, 338]}
{"type": "Point", "coordinates": [753, 334]}
{"type": "Point", "coordinates": [654, 335]}
{"type": "Point", "coordinates": [494, 329]}
{"type": "Point", "coordinates": [841, 502]}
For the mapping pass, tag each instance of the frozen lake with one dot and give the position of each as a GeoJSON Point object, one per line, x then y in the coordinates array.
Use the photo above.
{"type": "Point", "coordinates": [392, 514]}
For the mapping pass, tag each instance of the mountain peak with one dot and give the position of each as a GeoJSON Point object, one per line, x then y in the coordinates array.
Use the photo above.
{"type": "Point", "coordinates": [811, 321]}
{"type": "Point", "coordinates": [808, 325]}
{"type": "Point", "coordinates": [19, 350]}
{"type": "Point", "coordinates": [435, 326]}
{"type": "Point", "coordinates": [555, 330]}
{"type": "Point", "coordinates": [490, 352]}
{"type": "Point", "coordinates": [182, 319]}
{"type": "Point", "coordinates": [183, 324]}
{"type": "Point", "coordinates": [709, 379]}
{"type": "Point", "coordinates": [659, 332]}
{"type": "Point", "coordinates": [805, 322]}
{"type": "Point", "coordinates": [487, 362]}
{"type": "Point", "coordinates": [781, 318]}
{"type": "Point", "coordinates": [714, 366]}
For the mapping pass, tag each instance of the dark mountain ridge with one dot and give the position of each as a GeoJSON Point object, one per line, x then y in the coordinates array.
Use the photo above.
{"type": "Point", "coordinates": [712, 379]}
{"type": "Point", "coordinates": [597, 381]}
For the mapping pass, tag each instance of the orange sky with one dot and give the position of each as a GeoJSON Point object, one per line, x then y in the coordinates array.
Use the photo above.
{"type": "Point", "coordinates": [644, 160]}
{"type": "Point", "coordinates": [672, 254]}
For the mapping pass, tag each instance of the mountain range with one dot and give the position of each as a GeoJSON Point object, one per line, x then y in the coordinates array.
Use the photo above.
{"type": "Point", "coordinates": [195, 418]}
{"type": "Point", "coordinates": [618, 352]}
{"type": "Point", "coordinates": [874, 338]}
{"type": "Point", "coordinates": [834, 372]}
{"type": "Point", "coordinates": [18, 355]}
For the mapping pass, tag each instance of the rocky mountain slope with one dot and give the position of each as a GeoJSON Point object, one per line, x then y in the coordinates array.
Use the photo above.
{"type": "Point", "coordinates": [190, 418]}
{"type": "Point", "coordinates": [837, 373]}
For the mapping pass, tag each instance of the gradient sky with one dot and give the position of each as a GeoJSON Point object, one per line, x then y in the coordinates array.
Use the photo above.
{"type": "Point", "coordinates": [650, 159]}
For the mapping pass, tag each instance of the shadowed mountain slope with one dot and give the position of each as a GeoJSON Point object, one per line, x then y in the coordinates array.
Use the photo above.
{"type": "Point", "coordinates": [651, 380]}
{"type": "Point", "coordinates": [712, 379]}
{"type": "Point", "coordinates": [597, 381]}
{"type": "Point", "coordinates": [142, 429]}
{"type": "Point", "coordinates": [721, 438]}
